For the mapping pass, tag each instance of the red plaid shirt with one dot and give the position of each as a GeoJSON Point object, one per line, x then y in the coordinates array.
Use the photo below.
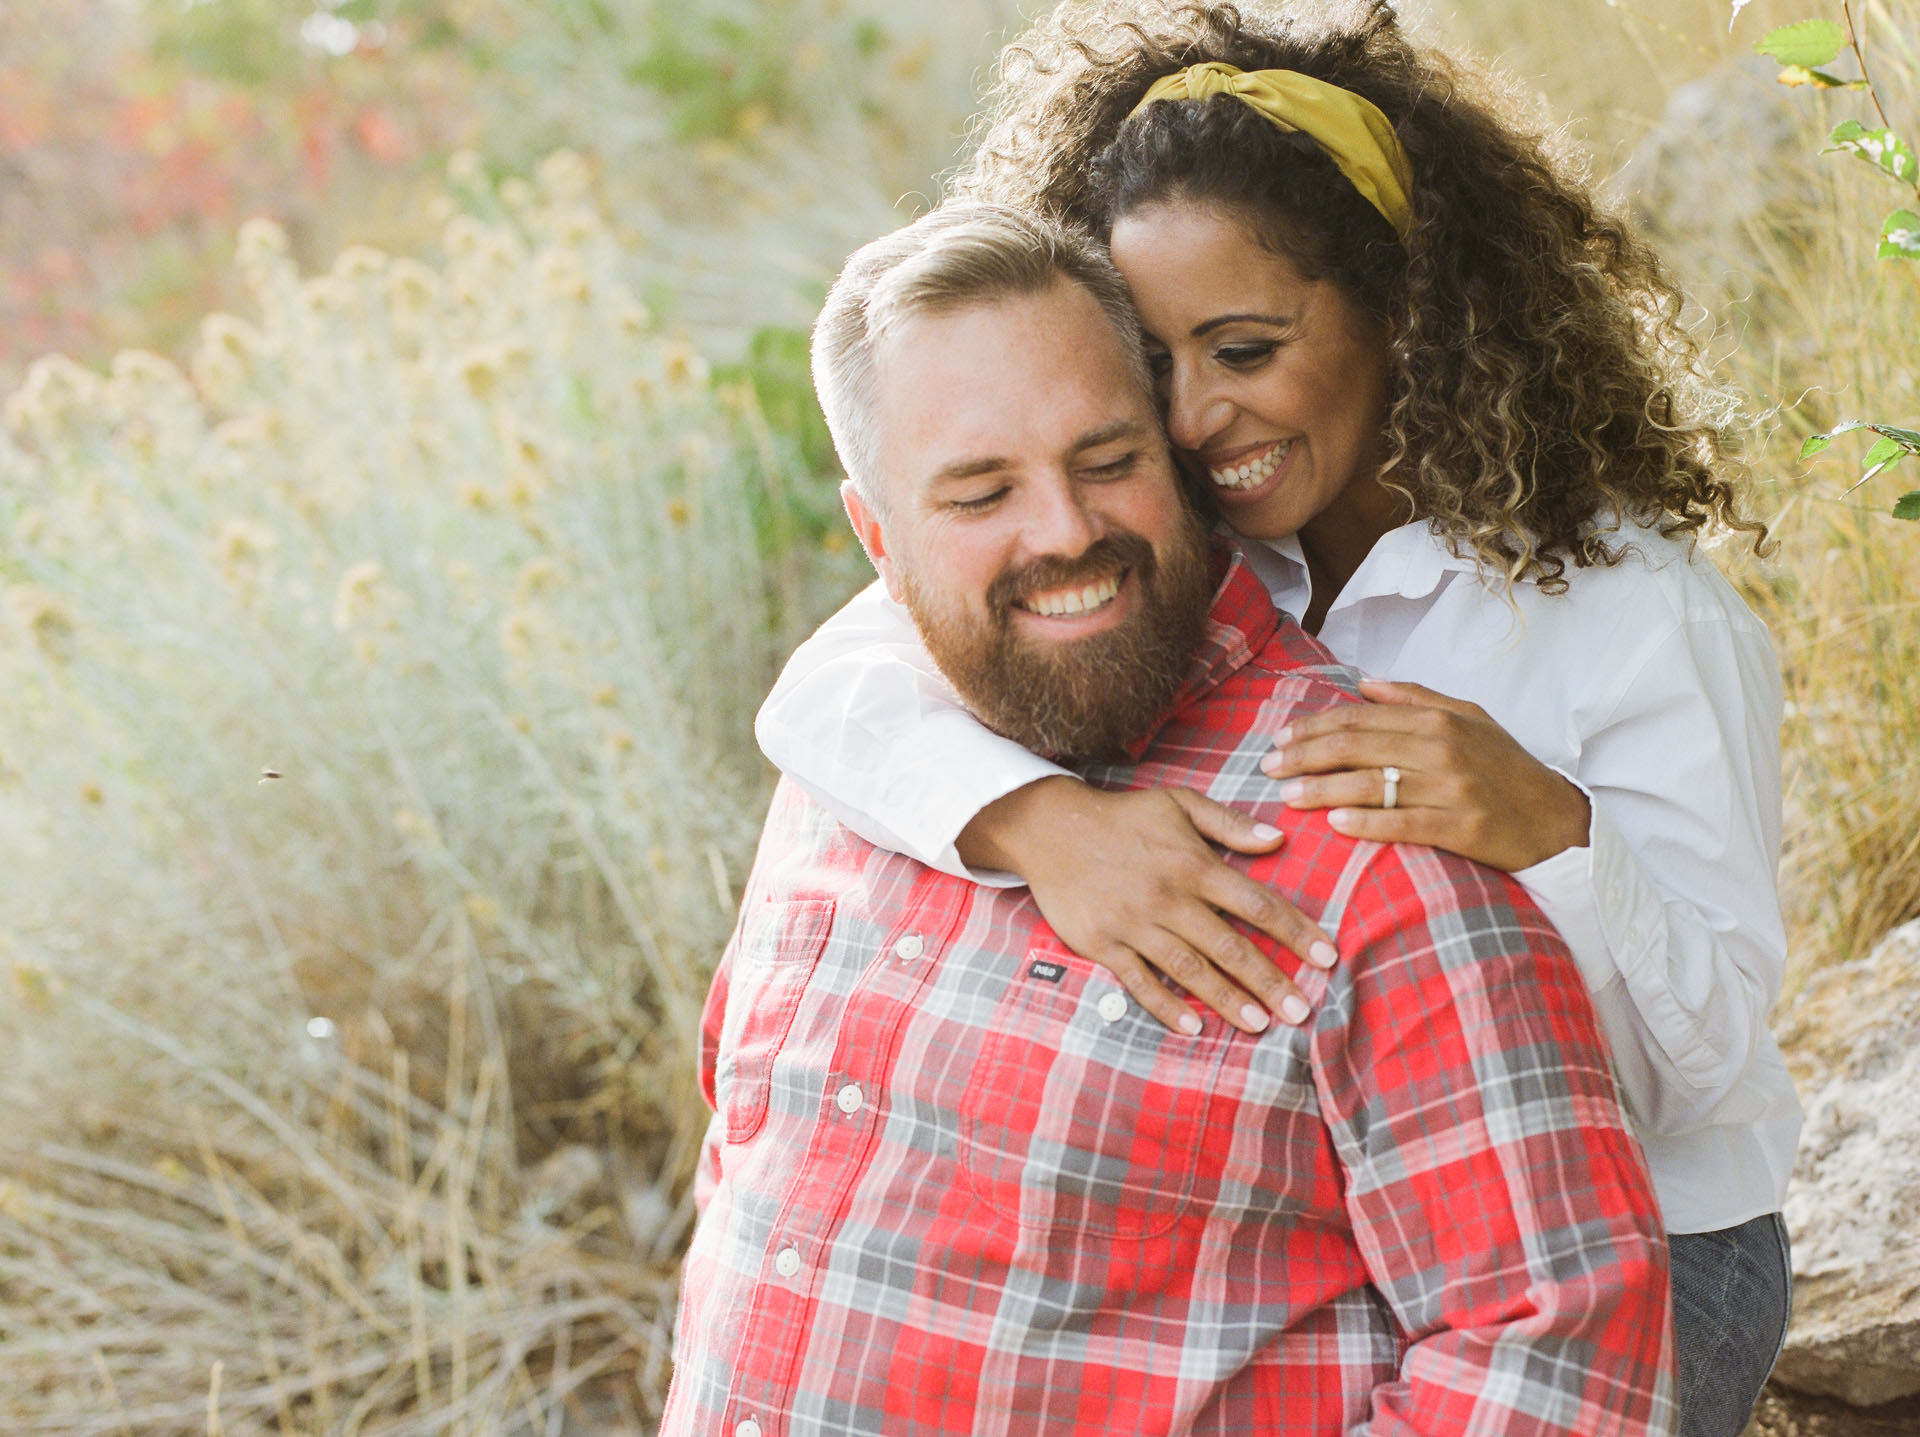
{"type": "Point", "coordinates": [958, 1182]}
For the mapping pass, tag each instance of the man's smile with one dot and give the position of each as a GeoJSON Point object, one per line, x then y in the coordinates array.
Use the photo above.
{"type": "Point", "coordinates": [1075, 599]}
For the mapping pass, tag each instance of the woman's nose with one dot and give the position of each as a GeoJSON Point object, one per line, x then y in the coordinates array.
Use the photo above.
{"type": "Point", "coordinates": [1196, 411]}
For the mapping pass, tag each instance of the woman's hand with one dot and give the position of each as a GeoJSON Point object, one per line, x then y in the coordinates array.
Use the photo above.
{"type": "Point", "coordinates": [1464, 784]}
{"type": "Point", "coordinates": [1128, 881]}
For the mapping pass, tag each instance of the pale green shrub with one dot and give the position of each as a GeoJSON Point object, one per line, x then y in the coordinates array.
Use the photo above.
{"type": "Point", "coordinates": [364, 1093]}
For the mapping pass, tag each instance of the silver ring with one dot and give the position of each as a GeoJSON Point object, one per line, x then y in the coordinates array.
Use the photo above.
{"type": "Point", "coordinates": [1390, 784]}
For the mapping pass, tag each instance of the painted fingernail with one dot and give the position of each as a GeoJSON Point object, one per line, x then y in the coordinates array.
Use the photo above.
{"type": "Point", "coordinates": [1323, 955]}
{"type": "Point", "coordinates": [1340, 818]}
{"type": "Point", "coordinates": [1265, 832]}
{"type": "Point", "coordinates": [1189, 1024]}
{"type": "Point", "coordinates": [1292, 790]}
{"type": "Point", "coordinates": [1255, 1017]}
{"type": "Point", "coordinates": [1281, 737]}
{"type": "Point", "coordinates": [1273, 763]}
{"type": "Point", "coordinates": [1294, 1009]}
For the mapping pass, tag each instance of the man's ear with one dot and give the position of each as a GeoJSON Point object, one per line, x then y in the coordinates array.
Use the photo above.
{"type": "Point", "coordinates": [866, 526]}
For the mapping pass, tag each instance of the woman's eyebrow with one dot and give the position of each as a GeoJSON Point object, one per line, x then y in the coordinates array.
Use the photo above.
{"type": "Point", "coordinates": [1207, 326]}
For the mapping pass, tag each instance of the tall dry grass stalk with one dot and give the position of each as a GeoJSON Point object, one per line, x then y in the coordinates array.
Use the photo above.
{"type": "Point", "coordinates": [377, 774]}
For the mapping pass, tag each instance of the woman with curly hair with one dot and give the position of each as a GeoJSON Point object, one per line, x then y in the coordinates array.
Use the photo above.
{"type": "Point", "coordinates": [1448, 407]}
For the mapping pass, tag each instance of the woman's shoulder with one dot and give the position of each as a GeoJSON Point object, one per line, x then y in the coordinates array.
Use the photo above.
{"type": "Point", "coordinates": [1660, 579]}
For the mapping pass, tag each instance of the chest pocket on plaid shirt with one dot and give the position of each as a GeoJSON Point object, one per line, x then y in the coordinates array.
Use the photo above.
{"type": "Point", "coordinates": [1072, 1120]}
{"type": "Point", "coordinates": [767, 983]}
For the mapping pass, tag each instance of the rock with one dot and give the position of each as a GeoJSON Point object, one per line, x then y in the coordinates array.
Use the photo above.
{"type": "Point", "coordinates": [1730, 150]}
{"type": "Point", "coordinates": [1853, 1042]}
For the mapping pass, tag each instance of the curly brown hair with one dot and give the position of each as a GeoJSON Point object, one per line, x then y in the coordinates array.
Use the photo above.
{"type": "Point", "coordinates": [1542, 378]}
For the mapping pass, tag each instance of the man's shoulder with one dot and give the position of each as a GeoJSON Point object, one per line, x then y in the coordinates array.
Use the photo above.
{"type": "Point", "coordinates": [1292, 669]}
{"type": "Point", "coordinates": [806, 854]}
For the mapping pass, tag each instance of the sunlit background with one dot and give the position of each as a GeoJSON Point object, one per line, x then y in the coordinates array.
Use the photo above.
{"type": "Point", "coordinates": [393, 564]}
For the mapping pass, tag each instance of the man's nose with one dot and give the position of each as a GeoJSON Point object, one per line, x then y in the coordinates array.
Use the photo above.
{"type": "Point", "coordinates": [1196, 409]}
{"type": "Point", "coordinates": [1059, 522]}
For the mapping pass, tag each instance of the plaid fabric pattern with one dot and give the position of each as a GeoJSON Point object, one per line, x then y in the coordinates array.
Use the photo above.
{"type": "Point", "coordinates": [957, 1181]}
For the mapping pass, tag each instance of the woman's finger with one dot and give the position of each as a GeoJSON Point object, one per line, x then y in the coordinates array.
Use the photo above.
{"type": "Point", "coordinates": [1143, 985]}
{"type": "Point", "coordinates": [1397, 692]}
{"type": "Point", "coordinates": [1373, 718]}
{"type": "Point", "coordinates": [1431, 826]}
{"type": "Point", "coordinates": [1200, 974]}
{"type": "Point", "coordinates": [1272, 913]}
{"type": "Point", "coordinates": [1141, 978]}
{"type": "Point", "coordinates": [1230, 950]}
{"type": "Point", "coordinates": [1357, 788]}
{"type": "Point", "coordinates": [1357, 748]}
{"type": "Point", "coordinates": [1228, 827]}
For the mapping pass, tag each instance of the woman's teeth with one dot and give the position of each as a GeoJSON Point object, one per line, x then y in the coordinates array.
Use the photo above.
{"type": "Point", "coordinates": [1254, 472]}
{"type": "Point", "coordinates": [1073, 601]}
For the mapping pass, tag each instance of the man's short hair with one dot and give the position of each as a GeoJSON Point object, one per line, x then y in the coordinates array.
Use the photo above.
{"type": "Point", "coordinates": [959, 255]}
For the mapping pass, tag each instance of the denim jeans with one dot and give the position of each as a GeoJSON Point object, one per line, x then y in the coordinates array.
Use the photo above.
{"type": "Point", "coordinates": [1732, 1293]}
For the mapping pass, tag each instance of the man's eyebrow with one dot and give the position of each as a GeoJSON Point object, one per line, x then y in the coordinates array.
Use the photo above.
{"type": "Point", "coordinates": [1206, 327]}
{"type": "Point", "coordinates": [1107, 433]}
{"type": "Point", "coordinates": [968, 468]}
{"type": "Point", "coordinates": [1092, 439]}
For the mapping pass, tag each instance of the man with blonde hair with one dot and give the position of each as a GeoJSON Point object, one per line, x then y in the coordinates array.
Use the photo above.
{"type": "Point", "coordinates": [956, 1180]}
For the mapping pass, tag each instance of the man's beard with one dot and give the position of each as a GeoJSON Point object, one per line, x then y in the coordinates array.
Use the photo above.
{"type": "Point", "coordinates": [1079, 698]}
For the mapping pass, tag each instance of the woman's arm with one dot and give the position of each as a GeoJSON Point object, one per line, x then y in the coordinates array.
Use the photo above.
{"type": "Point", "coordinates": [1668, 897]}
{"type": "Point", "coordinates": [1675, 901]}
{"type": "Point", "coordinates": [863, 721]}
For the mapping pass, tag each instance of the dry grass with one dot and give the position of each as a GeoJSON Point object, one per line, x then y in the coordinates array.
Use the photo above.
{"type": "Point", "coordinates": [1814, 329]}
{"type": "Point", "coordinates": [360, 1098]}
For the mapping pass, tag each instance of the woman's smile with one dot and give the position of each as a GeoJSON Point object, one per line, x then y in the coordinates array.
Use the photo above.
{"type": "Point", "coordinates": [1244, 472]}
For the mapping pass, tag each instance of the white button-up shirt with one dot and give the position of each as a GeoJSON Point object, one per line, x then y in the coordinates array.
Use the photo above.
{"type": "Point", "coordinates": [1650, 684]}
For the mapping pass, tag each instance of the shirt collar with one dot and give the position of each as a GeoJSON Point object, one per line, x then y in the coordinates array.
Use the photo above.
{"type": "Point", "coordinates": [1410, 561]}
{"type": "Point", "coordinates": [1239, 622]}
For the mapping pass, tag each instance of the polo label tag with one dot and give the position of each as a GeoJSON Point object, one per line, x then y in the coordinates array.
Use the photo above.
{"type": "Point", "coordinates": [1052, 972]}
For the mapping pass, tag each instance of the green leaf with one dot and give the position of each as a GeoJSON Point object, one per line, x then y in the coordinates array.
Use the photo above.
{"type": "Point", "coordinates": [1884, 453]}
{"type": "Point", "coordinates": [1820, 441]}
{"type": "Point", "coordinates": [1900, 236]}
{"type": "Point", "coordinates": [1806, 44]}
{"type": "Point", "coordinates": [1907, 439]}
{"type": "Point", "coordinates": [1907, 506]}
{"type": "Point", "coordinates": [1882, 149]}
{"type": "Point", "coordinates": [1794, 76]}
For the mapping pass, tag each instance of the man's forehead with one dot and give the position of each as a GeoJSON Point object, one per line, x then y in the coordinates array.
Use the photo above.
{"type": "Point", "coordinates": [1029, 373]}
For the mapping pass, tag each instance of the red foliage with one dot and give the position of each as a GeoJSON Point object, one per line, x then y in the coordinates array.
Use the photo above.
{"type": "Point", "coordinates": [124, 175]}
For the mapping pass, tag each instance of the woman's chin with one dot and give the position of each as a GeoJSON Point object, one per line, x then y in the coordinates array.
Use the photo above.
{"type": "Point", "coordinates": [1263, 513]}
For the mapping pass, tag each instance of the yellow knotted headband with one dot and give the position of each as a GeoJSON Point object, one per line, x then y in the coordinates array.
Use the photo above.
{"type": "Point", "coordinates": [1352, 130]}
